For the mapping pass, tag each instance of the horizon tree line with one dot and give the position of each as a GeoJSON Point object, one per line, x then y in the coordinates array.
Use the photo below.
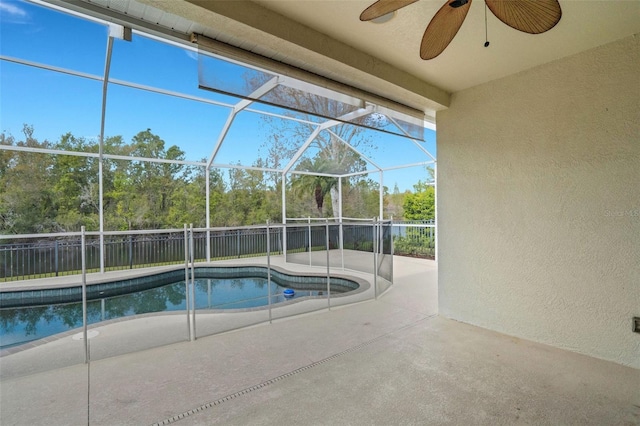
{"type": "Point", "coordinates": [42, 192]}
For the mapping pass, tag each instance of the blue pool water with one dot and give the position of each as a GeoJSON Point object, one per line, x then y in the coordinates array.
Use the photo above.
{"type": "Point", "coordinates": [24, 324]}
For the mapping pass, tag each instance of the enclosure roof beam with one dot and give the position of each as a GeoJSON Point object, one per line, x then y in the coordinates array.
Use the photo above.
{"type": "Point", "coordinates": [221, 136]}
{"type": "Point", "coordinates": [257, 94]}
{"type": "Point", "coordinates": [301, 172]}
{"type": "Point", "coordinates": [326, 125]}
{"type": "Point", "coordinates": [354, 149]}
{"type": "Point", "coordinates": [241, 167]}
{"type": "Point", "coordinates": [237, 108]}
{"type": "Point", "coordinates": [282, 116]}
{"type": "Point", "coordinates": [406, 166]}
{"type": "Point", "coordinates": [302, 149]}
{"type": "Point", "coordinates": [415, 142]}
{"type": "Point", "coordinates": [322, 91]}
{"type": "Point", "coordinates": [363, 172]}
{"type": "Point", "coordinates": [97, 155]}
{"type": "Point", "coordinates": [360, 112]}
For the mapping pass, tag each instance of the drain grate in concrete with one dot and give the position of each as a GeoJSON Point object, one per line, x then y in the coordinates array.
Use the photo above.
{"type": "Point", "coordinates": [274, 380]}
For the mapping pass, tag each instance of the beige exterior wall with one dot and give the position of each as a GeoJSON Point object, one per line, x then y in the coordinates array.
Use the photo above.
{"type": "Point", "coordinates": [539, 203]}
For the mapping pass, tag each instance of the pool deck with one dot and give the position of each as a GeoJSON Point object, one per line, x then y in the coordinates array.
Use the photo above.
{"type": "Point", "coordinates": [387, 361]}
{"type": "Point", "coordinates": [298, 262]}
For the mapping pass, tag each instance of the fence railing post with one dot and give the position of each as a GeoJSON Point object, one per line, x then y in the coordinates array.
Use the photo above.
{"type": "Point", "coordinates": [310, 241]}
{"type": "Point", "coordinates": [238, 243]}
{"type": "Point", "coordinates": [193, 283]}
{"type": "Point", "coordinates": [328, 266]}
{"type": "Point", "coordinates": [55, 257]}
{"type": "Point", "coordinates": [375, 258]}
{"type": "Point", "coordinates": [186, 279]}
{"type": "Point", "coordinates": [269, 271]}
{"type": "Point", "coordinates": [391, 246]}
{"type": "Point", "coordinates": [208, 244]}
{"type": "Point", "coordinates": [130, 251]}
{"type": "Point", "coordinates": [341, 241]}
{"type": "Point", "coordinates": [83, 261]}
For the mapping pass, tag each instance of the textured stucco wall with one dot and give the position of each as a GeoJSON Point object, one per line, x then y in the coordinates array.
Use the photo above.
{"type": "Point", "coordinates": [539, 203]}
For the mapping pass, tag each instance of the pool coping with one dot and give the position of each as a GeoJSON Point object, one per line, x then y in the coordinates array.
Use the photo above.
{"type": "Point", "coordinates": [114, 286]}
{"type": "Point", "coordinates": [363, 286]}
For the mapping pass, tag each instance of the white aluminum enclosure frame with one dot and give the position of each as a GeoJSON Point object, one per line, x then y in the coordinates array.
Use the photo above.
{"type": "Point", "coordinates": [362, 106]}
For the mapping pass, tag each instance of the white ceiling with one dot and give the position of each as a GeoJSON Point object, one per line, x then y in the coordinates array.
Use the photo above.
{"type": "Point", "coordinates": [327, 38]}
{"type": "Point", "coordinates": [466, 62]}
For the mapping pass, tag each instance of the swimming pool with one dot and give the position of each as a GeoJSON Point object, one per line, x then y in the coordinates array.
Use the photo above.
{"type": "Point", "coordinates": [35, 314]}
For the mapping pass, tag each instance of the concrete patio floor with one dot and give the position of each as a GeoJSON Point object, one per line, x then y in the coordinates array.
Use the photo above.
{"type": "Point", "coordinates": [385, 361]}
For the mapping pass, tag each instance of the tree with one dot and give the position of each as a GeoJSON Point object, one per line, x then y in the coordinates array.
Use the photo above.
{"type": "Point", "coordinates": [188, 200]}
{"type": "Point", "coordinates": [219, 204]}
{"type": "Point", "coordinates": [57, 193]}
{"type": "Point", "coordinates": [250, 199]}
{"type": "Point", "coordinates": [154, 181]}
{"type": "Point", "coordinates": [75, 185]}
{"type": "Point", "coordinates": [394, 202]}
{"type": "Point", "coordinates": [317, 185]}
{"type": "Point", "coordinates": [6, 156]}
{"type": "Point", "coordinates": [117, 185]}
{"type": "Point", "coordinates": [329, 152]}
{"type": "Point", "coordinates": [421, 204]}
{"type": "Point", "coordinates": [362, 198]}
{"type": "Point", "coordinates": [27, 201]}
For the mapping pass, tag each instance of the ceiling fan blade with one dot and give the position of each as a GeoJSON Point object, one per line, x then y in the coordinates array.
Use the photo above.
{"type": "Point", "coordinates": [383, 7]}
{"type": "Point", "coordinates": [443, 28]}
{"type": "Point", "coordinates": [529, 16]}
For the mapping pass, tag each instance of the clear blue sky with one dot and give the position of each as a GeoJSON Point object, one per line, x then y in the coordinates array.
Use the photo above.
{"type": "Point", "coordinates": [56, 103]}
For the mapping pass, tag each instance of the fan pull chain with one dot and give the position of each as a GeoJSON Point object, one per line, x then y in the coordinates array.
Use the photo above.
{"type": "Point", "coordinates": [486, 33]}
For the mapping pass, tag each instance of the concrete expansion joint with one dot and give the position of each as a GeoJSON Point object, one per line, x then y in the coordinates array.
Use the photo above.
{"type": "Point", "coordinates": [281, 377]}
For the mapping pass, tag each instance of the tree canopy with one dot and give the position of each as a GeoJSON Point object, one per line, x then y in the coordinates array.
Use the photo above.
{"type": "Point", "coordinates": [43, 192]}
{"type": "Point", "coordinates": [56, 193]}
{"type": "Point", "coordinates": [330, 151]}
{"type": "Point", "coordinates": [420, 205]}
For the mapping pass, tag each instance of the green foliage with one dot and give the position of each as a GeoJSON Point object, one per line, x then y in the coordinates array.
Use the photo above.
{"type": "Point", "coordinates": [56, 193]}
{"type": "Point", "coordinates": [361, 198]}
{"type": "Point", "coordinates": [27, 197]}
{"type": "Point", "coordinates": [329, 151]}
{"type": "Point", "coordinates": [421, 204]}
{"type": "Point", "coordinates": [415, 243]}
{"type": "Point", "coordinates": [317, 186]}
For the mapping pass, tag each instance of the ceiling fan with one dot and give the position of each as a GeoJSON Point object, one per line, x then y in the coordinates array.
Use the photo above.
{"type": "Point", "coordinates": [529, 16]}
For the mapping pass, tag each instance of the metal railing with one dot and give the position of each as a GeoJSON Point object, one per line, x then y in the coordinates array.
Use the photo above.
{"type": "Point", "coordinates": [414, 238]}
{"type": "Point", "coordinates": [47, 255]}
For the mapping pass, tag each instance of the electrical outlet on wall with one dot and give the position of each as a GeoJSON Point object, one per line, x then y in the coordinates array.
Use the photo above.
{"type": "Point", "coordinates": [636, 324]}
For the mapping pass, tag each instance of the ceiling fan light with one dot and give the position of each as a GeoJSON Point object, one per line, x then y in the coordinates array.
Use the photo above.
{"type": "Point", "coordinates": [457, 3]}
{"type": "Point", "coordinates": [384, 18]}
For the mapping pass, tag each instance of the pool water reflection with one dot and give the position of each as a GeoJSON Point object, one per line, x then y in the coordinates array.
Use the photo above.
{"type": "Point", "coordinates": [25, 324]}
